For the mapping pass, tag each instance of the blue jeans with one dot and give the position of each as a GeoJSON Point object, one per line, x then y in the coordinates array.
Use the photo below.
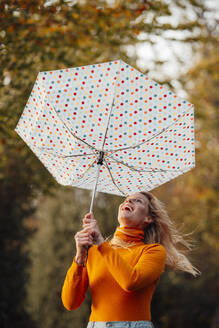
{"type": "Point", "coordinates": [120, 324]}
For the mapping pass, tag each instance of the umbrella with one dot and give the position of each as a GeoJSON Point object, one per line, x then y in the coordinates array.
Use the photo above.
{"type": "Point", "coordinates": [109, 128]}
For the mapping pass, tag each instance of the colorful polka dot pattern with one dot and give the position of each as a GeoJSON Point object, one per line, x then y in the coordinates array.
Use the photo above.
{"type": "Point", "coordinates": [145, 130]}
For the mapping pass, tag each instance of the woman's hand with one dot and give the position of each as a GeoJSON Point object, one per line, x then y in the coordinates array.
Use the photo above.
{"type": "Point", "coordinates": [89, 236]}
{"type": "Point", "coordinates": [83, 240]}
{"type": "Point", "coordinates": [91, 225]}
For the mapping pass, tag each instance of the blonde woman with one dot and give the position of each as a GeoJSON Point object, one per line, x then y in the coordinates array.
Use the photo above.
{"type": "Point", "coordinates": [123, 272]}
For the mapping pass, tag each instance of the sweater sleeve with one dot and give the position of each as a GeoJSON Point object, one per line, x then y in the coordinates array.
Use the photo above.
{"type": "Point", "coordinates": [148, 269]}
{"type": "Point", "coordinates": [75, 286]}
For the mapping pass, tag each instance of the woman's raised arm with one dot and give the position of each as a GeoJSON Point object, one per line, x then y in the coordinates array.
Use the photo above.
{"type": "Point", "coordinates": [76, 280]}
{"type": "Point", "coordinates": [75, 286]}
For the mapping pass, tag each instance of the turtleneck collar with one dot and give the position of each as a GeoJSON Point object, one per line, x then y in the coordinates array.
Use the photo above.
{"type": "Point", "coordinates": [130, 234]}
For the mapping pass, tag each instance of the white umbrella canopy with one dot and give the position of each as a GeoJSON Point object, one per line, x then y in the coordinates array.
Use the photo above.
{"type": "Point", "coordinates": [142, 133]}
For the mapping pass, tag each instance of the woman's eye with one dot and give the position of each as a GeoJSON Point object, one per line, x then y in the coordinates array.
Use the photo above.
{"type": "Point", "coordinates": [134, 200]}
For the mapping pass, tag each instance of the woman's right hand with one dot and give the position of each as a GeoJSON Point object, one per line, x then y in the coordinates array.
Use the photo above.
{"type": "Point", "coordinates": [83, 240]}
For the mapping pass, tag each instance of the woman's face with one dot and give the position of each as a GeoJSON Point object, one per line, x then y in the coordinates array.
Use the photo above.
{"type": "Point", "coordinates": [133, 211]}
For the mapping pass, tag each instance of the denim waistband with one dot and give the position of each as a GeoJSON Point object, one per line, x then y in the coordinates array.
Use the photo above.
{"type": "Point", "coordinates": [120, 324]}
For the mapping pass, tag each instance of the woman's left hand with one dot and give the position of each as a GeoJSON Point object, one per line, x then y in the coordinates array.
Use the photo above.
{"type": "Point", "coordinates": [91, 224]}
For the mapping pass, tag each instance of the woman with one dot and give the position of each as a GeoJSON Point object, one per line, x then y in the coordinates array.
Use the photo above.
{"type": "Point", "coordinates": [122, 273]}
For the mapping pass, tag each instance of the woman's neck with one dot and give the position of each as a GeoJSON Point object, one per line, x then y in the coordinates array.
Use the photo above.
{"type": "Point", "coordinates": [130, 234]}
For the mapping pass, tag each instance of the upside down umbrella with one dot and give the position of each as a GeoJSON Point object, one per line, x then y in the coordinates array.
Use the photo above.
{"type": "Point", "coordinates": [108, 127]}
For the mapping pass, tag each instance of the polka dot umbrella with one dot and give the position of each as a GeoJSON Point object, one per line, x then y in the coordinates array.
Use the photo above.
{"type": "Point", "coordinates": [108, 127]}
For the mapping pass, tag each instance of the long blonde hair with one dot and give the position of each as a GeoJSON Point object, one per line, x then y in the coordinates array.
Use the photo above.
{"type": "Point", "coordinates": [163, 231]}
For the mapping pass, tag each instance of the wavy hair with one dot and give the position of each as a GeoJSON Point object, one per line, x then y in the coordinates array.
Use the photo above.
{"type": "Point", "coordinates": [163, 231]}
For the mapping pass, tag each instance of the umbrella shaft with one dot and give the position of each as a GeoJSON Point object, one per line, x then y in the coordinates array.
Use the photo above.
{"type": "Point", "coordinates": [95, 188]}
{"type": "Point", "coordinates": [91, 207]}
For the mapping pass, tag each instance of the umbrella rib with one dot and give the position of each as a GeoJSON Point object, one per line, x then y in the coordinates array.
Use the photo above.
{"type": "Point", "coordinates": [109, 115]}
{"type": "Point", "coordinates": [76, 137]}
{"type": "Point", "coordinates": [81, 176]}
{"type": "Point", "coordinates": [139, 170]}
{"type": "Point", "coordinates": [106, 165]}
{"type": "Point", "coordinates": [143, 142]}
{"type": "Point", "coordinates": [61, 156]}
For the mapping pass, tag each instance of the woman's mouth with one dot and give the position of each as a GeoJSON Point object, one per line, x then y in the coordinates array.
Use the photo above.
{"type": "Point", "coordinates": [127, 208]}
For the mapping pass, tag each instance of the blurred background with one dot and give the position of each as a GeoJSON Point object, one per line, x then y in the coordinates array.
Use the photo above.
{"type": "Point", "coordinates": [174, 43]}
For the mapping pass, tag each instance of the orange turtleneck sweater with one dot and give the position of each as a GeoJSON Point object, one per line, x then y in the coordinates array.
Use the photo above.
{"type": "Point", "coordinates": [121, 281]}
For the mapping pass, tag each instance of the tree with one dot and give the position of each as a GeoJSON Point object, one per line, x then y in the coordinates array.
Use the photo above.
{"type": "Point", "coordinates": [193, 198]}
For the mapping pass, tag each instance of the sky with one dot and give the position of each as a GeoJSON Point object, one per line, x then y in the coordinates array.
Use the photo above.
{"type": "Point", "coordinates": [168, 51]}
